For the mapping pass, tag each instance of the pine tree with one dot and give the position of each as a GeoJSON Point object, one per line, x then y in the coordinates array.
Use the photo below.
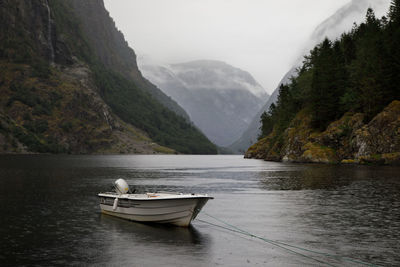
{"type": "Point", "coordinates": [267, 124]}
{"type": "Point", "coordinates": [360, 72]}
{"type": "Point", "coordinates": [327, 83]}
{"type": "Point", "coordinates": [394, 11]}
{"type": "Point", "coordinates": [349, 48]}
{"type": "Point", "coordinates": [392, 39]}
{"type": "Point", "coordinates": [368, 77]}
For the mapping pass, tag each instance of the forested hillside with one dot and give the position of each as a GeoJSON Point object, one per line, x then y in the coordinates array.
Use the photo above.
{"type": "Point", "coordinates": [357, 75]}
{"type": "Point", "coordinates": [64, 92]}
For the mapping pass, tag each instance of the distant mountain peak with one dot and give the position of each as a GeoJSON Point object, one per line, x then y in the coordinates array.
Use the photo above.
{"type": "Point", "coordinates": [205, 63]}
{"type": "Point", "coordinates": [220, 99]}
{"type": "Point", "coordinates": [219, 75]}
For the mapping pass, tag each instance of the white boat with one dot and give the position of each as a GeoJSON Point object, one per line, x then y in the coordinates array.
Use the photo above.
{"type": "Point", "coordinates": [163, 207]}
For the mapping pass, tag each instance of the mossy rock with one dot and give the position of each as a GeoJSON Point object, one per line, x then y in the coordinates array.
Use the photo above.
{"type": "Point", "coordinates": [319, 154]}
{"type": "Point", "coordinates": [349, 161]}
{"type": "Point", "coordinates": [259, 149]}
{"type": "Point", "coordinates": [392, 158]}
{"type": "Point", "coordinates": [374, 159]}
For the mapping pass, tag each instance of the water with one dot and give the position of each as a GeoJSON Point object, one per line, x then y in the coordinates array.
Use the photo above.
{"type": "Point", "coordinates": [50, 214]}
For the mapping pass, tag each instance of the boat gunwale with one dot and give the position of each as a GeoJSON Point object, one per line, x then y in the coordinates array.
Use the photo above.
{"type": "Point", "coordinates": [155, 198]}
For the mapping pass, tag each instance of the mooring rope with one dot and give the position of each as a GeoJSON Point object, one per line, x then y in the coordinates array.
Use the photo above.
{"type": "Point", "coordinates": [272, 243]}
{"type": "Point", "coordinates": [283, 245]}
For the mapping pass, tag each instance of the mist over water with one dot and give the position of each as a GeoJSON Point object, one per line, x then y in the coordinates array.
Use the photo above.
{"type": "Point", "coordinates": [51, 214]}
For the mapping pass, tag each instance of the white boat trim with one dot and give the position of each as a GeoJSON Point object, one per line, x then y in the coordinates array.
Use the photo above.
{"type": "Point", "coordinates": [178, 209]}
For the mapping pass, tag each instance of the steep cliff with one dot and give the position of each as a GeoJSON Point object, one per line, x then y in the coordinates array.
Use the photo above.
{"type": "Point", "coordinates": [62, 92]}
{"type": "Point", "coordinates": [113, 51]}
{"type": "Point", "coordinates": [347, 140]}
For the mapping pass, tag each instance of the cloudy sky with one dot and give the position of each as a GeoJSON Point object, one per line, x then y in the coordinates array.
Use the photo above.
{"type": "Point", "coordinates": [263, 37]}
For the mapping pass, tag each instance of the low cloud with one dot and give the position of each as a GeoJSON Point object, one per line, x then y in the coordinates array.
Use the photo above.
{"type": "Point", "coordinates": [262, 37]}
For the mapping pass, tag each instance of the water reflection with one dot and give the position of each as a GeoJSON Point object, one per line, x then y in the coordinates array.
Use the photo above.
{"type": "Point", "coordinates": [154, 233]}
{"type": "Point", "coordinates": [131, 243]}
{"type": "Point", "coordinates": [328, 177]}
{"type": "Point", "coordinates": [50, 214]}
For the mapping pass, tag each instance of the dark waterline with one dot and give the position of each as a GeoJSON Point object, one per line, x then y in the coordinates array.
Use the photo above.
{"type": "Point", "coordinates": [50, 214]}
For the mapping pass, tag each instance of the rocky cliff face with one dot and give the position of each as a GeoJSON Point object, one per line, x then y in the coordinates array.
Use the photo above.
{"type": "Point", "coordinates": [219, 98]}
{"type": "Point", "coordinates": [347, 140]}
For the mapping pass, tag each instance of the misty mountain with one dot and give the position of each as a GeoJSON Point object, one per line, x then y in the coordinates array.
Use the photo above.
{"type": "Point", "coordinates": [220, 99]}
{"type": "Point", "coordinates": [341, 21]}
{"type": "Point", "coordinates": [250, 135]}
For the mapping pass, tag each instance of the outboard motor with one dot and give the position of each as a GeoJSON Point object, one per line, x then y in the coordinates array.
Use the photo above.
{"type": "Point", "coordinates": [121, 186]}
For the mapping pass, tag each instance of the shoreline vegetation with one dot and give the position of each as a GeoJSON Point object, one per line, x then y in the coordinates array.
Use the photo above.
{"type": "Point", "coordinates": [344, 105]}
{"type": "Point", "coordinates": [345, 141]}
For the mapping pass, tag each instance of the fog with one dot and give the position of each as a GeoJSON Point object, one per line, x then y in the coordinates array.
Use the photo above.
{"type": "Point", "coordinates": [263, 37]}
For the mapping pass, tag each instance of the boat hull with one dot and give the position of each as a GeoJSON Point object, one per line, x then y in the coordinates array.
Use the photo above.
{"type": "Point", "coordinates": [178, 212]}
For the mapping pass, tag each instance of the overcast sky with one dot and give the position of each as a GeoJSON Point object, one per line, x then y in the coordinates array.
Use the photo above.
{"type": "Point", "coordinates": [263, 37]}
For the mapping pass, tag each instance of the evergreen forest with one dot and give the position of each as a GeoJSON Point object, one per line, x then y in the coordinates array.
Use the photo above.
{"type": "Point", "coordinates": [358, 72]}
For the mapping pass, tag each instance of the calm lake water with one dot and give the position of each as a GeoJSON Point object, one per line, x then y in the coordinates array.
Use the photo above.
{"type": "Point", "coordinates": [49, 212]}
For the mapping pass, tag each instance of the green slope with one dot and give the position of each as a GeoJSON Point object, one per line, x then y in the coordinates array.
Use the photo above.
{"type": "Point", "coordinates": [24, 46]}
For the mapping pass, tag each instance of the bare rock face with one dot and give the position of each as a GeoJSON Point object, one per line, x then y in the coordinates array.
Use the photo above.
{"type": "Point", "coordinates": [379, 140]}
{"type": "Point", "coordinates": [347, 140]}
{"type": "Point", "coordinates": [297, 136]}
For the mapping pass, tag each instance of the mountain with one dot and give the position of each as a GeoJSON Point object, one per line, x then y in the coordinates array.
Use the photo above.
{"type": "Point", "coordinates": [345, 17]}
{"type": "Point", "coordinates": [250, 135]}
{"type": "Point", "coordinates": [113, 51]}
{"type": "Point", "coordinates": [219, 98]}
{"type": "Point", "coordinates": [341, 21]}
{"type": "Point", "coordinates": [344, 105]}
{"type": "Point", "coordinates": [70, 84]}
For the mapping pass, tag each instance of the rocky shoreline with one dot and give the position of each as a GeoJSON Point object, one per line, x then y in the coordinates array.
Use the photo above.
{"type": "Point", "coordinates": [346, 141]}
